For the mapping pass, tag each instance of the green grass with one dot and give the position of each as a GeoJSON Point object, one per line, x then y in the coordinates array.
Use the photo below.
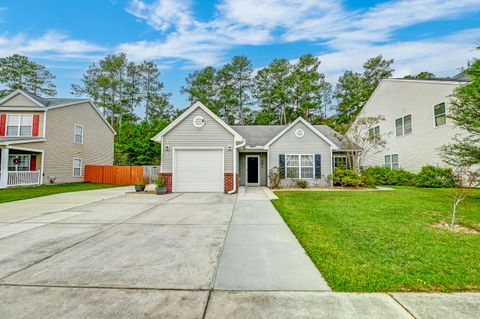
{"type": "Point", "coordinates": [383, 241]}
{"type": "Point", "coordinates": [13, 194]}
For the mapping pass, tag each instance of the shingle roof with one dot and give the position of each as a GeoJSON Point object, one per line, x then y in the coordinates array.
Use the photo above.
{"type": "Point", "coordinates": [260, 135]}
{"type": "Point", "coordinates": [52, 101]}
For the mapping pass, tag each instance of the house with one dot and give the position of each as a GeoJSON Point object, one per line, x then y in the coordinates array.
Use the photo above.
{"type": "Point", "coordinates": [44, 140]}
{"type": "Point", "coordinates": [415, 121]}
{"type": "Point", "coordinates": [201, 153]}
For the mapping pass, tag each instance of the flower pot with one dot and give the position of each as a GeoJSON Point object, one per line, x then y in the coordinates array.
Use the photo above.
{"type": "Point", "coordinates": [139, 188]}
{"type": "Point", "coordinates": [161, 190]}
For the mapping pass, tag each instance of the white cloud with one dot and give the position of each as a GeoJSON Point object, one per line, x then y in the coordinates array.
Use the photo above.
{"type": "Point", "coordinates": [52, 45]}
{"type": "Point", "coordinates": [252, 22]}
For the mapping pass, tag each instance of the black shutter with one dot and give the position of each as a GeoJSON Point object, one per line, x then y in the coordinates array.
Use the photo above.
{"type": "Point", "coordinates": [318, 169]}
{"type": "Point", "coordinates": [281, 163]}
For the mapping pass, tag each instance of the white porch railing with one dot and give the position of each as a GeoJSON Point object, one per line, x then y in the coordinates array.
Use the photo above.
{"type": "Point", "coordinates": [23, 178]}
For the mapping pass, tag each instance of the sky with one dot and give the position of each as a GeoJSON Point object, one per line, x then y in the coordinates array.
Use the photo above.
{"type": "Point", "coordinates": [181, 36]}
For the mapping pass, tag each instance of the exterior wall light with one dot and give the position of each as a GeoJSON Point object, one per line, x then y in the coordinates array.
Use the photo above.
{"type": "Point", "coordinates": [167, 148]}
{"type": "Point", "coordinates": [229, 147]}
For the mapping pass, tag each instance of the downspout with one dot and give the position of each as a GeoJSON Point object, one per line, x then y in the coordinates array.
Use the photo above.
{"type": "Point", "coordinates": [234, 190]}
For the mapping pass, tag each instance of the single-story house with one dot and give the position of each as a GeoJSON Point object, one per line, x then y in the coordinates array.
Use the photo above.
{"type": "Point", "coordinates": [201, 153]}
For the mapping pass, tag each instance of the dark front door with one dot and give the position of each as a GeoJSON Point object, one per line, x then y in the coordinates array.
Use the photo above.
{"type": "Point", "coordinates": [252, 170]}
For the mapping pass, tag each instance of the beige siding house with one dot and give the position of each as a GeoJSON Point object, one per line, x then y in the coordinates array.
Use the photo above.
{"type": "Point", "coordinates": [416, 123]}
{"type": "Point", "coordinates": [45, 140]}
{"type": "Point", "coordinates": [201, 153]}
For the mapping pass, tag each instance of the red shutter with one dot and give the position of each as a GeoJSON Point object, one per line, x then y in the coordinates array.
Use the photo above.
{"type": "Point", "coordinates": [3, 124]}
{"type": "Point", "coordinates": [33, 163]}
{"type": "Point", "coordinates": [36, 119]}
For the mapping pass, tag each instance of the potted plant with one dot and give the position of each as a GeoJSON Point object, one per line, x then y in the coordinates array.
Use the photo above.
{"type": "Point", "coordinates": [140, 184]}
{"type": "Point", "coordinates": [160, 183]}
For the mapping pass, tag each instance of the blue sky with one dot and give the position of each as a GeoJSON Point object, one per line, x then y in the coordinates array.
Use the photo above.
{"type": "Point", "coordinates": [433, 35]}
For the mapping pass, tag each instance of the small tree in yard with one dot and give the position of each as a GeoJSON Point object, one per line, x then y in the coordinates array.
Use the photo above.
{"type": "Point", "coordinates": [467, 179]}
{"type": "Point", "coordinates": [362, 140]}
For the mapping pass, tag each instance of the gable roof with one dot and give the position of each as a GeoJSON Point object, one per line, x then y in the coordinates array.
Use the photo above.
{"type": "Point", "coordinates": [158, 137]}
{"type": "Point", "coordinates": [45, 103]}
{"type": "Point", "coordinates": [307, 124]}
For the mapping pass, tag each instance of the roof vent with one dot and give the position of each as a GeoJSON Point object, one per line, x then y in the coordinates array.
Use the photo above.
{"type": "Point", "coordinates": [299, 133]}
{"type": "Point", "coordinates": [198, 121]}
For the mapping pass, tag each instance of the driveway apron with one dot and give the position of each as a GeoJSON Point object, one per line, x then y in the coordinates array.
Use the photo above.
{"type": "Point", "coordinates": [261, 253]}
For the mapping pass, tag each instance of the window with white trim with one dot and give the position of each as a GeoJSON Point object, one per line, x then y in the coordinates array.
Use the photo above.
{"type": "Point", "coordinates": [340, 161]}
{"type": "Point", "coordinates": [440, 114]}
{"type": "Point", "coordinates": [374, 133]}
{"type": "Point", "coordinates": [78, 138]}
{"type": "Point", "coordinates": [299, 166]}
{"type": "Point", "coordinates": [403, 125]}
{"type": "Point", "coordinates": [77, 167]}
{"type": "Point", "coordinates": [391, 161]}
{"type": "Point", "coordinates": [19, 163]}
{"type": "Point", "coordinates": [19, 125]}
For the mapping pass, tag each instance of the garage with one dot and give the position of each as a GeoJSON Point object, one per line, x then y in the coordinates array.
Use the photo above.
{"type": "Point", "coordinates": [198, 170]}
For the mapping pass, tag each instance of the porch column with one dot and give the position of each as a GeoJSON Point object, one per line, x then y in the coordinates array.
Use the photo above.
{"type": "Point", "coordinates": [4, 168]}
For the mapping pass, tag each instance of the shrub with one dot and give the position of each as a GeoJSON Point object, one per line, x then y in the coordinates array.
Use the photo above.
{"type": "Point", "coordinates": [302, 183]}
{"type": "Point", "coordinates": [436, 177]}
{"type": "Point", "coordinates": [275, 177]}
{"type": "Point", "coordinates": [160, 182]}
{"type": "Point", "coordinates": [380, 175]}
{"type": "Point", "coordinates": [346, 177]}
{"type": "Point", "coordinates": [142, 181]}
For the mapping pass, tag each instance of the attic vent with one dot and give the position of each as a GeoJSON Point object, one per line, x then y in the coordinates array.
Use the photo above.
{"type": "Point", "coordinates": [299, 133]}
{"type": "Point", "coordinates": [198, 121]}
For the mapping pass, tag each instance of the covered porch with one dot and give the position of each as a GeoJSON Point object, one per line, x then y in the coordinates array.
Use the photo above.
{"type": "Point", "coordinates": [253, 168]}
{"type": "Point", "coordinates": [20, 166]}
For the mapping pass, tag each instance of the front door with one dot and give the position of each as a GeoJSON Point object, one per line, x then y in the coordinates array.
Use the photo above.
{"type": "Point", "coordinates": [253, 169]}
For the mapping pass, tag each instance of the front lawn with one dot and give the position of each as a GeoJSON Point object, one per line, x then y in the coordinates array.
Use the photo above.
{"type": "Point", "coordinates": [13, 194]}
{"type": "Point", "coordinates": [384, 240]}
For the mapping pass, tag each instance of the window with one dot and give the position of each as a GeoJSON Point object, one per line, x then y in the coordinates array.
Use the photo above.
{"type": "Point", "coordinates": [19, 163]}
{"type": "Point", "coordinates": [77, 167]}
{"type": "Point", "coordinates": [403, 125]}
{"type": "Point", "coordinates": [440, 114]}
{"type": "Point", "coordinates": [391, 161]}
{"type": "Point", "coordinates": [299, 166]}
{"type": "Point", "coordinates": [19, 125]}
{"type": "Point", "coordinates": [78, 139]}
{"type": "Point", "coordinates": [340, 162]}
{"type": "Point", "coordinates": [374, 133]}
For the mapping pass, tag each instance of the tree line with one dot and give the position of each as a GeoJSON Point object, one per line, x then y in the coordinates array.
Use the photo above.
{"type": "Point", "coordinates": [239, 94]}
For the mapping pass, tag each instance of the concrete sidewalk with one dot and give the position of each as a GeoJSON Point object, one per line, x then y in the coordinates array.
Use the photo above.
{"type": "Point", "coordinates": [261, 253]}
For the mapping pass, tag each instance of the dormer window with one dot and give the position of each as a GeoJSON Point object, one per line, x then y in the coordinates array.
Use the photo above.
{"type": "Point", "coordinates": [19, 125]}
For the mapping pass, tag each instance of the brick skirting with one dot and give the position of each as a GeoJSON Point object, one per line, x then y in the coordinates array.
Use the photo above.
{"type": "Point", "coordinates": [167, 177]}
{"type": "Point", "coordinates": [228, 181]}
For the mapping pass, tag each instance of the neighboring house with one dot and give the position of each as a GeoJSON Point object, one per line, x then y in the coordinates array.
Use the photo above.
{"type": "Point", "coordinates": [201, 153]}
{"type": "Point", "coordinates": [45, 139]}
{"type": "Point", "coordinates": [416, 123]}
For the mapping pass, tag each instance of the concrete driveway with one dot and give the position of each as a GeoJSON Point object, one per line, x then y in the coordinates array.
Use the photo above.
{"type": "Point", "coordinates": [107, 254]}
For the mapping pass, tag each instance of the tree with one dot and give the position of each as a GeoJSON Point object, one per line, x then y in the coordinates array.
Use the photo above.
{"type": "Point", "coordinates": [310, 91]}
{"type": "Point", "coordinates": [241, 72]}
{"type": "Point", "coordinates": [19, 72]}
{"type": "Point", "coordinates": [421, 75]}
{"type": "Point", "coordinates": [467, 179]}
{"type": "Point", "coordinates": [273, 86]}
{"type": "Point", "coordinates": [362, 141]}
{"type": "Point", "coordinates": [354, 89]}
{"type": "Point", "coordinates": [157, 105]}
{"type": "Point", "coordinates": [201, 86]}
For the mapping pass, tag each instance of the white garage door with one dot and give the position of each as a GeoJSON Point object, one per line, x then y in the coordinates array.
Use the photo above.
{"type": "Point", "coordinates": [199, 170]}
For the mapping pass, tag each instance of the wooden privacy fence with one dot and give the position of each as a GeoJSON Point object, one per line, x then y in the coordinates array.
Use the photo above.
{"type": "Point", "coordinates": [107, 174]}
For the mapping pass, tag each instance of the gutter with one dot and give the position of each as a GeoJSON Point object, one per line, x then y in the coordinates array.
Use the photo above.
{"type": "Point", "coordinates": [234, 190]}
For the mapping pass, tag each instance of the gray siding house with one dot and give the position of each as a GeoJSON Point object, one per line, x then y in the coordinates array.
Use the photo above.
{"type": "Point", "coordinates": [201, 153]}
{"type": "Point", "coordinates": [44, 139]}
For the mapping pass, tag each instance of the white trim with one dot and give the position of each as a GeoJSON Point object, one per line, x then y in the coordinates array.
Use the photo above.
{"type": "Point", "coordinates": [19, 124]}
{"type": "Point", "coordinates": [22, 108]}
{"type": "Point", "coordinates": [29, 161]}
{"type": "Point", "coordinates": [307, 124]}
{"type": "Point", "coordinates": [403, 125]}
{"type": "Point", "coordinates": [15, 93]}
{"type": "Point", "coordinates": [196, 148]}
{"type": "Point", "coordinates": [44, 124]}
{"type": "Point", "coordinates": [434, 117]}
{"type": "Point", "coordinates": [73, 167]}
{"type": "Point", "coordinates": [91, 104]}
{"type": "Point", "coordinates": [451, 82]}
{"type": "Point", "coordinates": [75, 133]}
{"type": "Point", "coordinates": [157, 138]}
{"type": "Point", "coordinates": [300, 166]}
{"type": "Point", "coordinates": [258, 170]}
{"type": "Point", "coordinates": [35, 151]}
{"type": "Point", "coordinates": [268, 167]}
